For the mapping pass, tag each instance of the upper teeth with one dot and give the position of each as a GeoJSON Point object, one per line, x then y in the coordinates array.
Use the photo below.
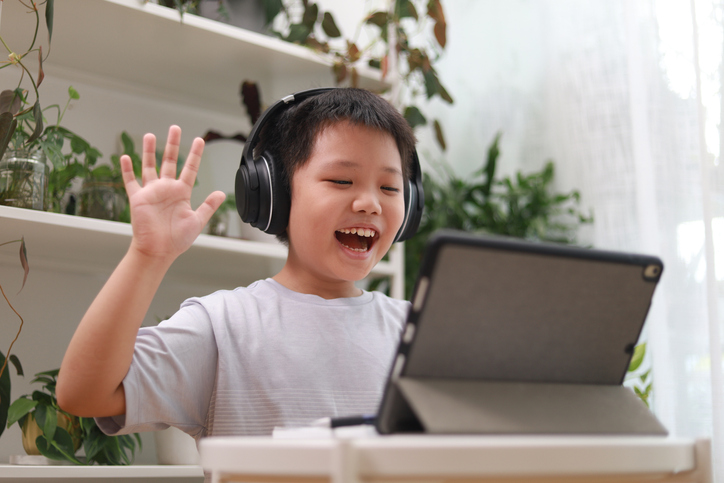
{"type": "Point", "coordinates": [366, 232]}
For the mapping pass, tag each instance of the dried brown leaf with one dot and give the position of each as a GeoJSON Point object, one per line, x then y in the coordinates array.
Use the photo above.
{"type": "Point", "coordinates": [439, 135]}
{"type": "Point", "coordinates": [340, 72]}
{"type": "Point", "coordinates": [9, 102]}
{"type": "Point", "coordinates": [252, 99]}
{"type": "Point", "coordinates": [41, 74]}
{"type": "Point", "coordinates": [24, 261]}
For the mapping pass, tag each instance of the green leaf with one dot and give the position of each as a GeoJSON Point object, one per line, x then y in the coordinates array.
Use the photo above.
{"type": "Point", "coordinates": [271, 9]}
{"type": "Point", "coordinates": [310, 16]}
{"type": "Point", "coordinates": [73, 93]}
{"type": "Point", "coordinates": [14, 359]}
{"type": "Point", "coordinates": [414, 117]}
{"type": "Point", "coordinates": [42, 398]}
{"type": "Point", "coordinates": [638, 357]}
{"type": "Point", "coordinates": [92, 444]}
{"type": "Point", "coordinates": [79, 145]}
{"type": "Point", "coordinates": [26, 269]}
{"type": "Point", "coordinates": [49, 12]}
{"type": "Point", "coordinates": [8, 124]}
{"type": "Point", "coordinates": [19, 408]}
{"type": "Point", "coordinates": [405, 8]}
{"type": "Point", "coordinates": [38, 118]}
{"type": "Point", "coordinates": [47, 419]}
{"type": "Point", "coordinates": [298, 33]}
{"type": "Point", "coordinates": [43, 379]}
{"type": "Point", "coordinates": [48, 450]}
{"type": "Point", "coordinates": [4, 395]}
{"type": "Point", "coordinates": [330, 26]}
{"type": "Point", "coordinates": [430, 83]}
{"type": "Point", "coordinates": [378, 18]}
{"type": "Point", "coordinates": [491, 165]}
{"type": "Point", "coordinates": [52, 373]}
{"type": "Point", "coordinates": [50, 426]}
{"type": "Point", "coordinates": [64, 443]}
{"type": "Point", "coordinates": [128, 145]}
{"type": "Point", "coordinates": [59, 448]}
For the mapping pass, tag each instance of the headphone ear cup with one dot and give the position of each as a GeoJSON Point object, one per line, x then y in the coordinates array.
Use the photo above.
{"type": "Point", "coordinates": [414, 202]}
{"type": "Point", "coordinates": [266, 207]}
{"type": "Point", "coordinates": [247, 199]}
{"type": "Point", "coordinates": [279, 203]}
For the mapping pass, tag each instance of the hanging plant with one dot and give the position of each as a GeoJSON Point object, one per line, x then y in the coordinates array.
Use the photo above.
{"type": "Point", "coordinates": [5, 384]}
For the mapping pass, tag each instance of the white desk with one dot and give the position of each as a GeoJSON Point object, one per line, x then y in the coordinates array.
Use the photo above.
{"type": "Point", "coordinates": [457, 458]}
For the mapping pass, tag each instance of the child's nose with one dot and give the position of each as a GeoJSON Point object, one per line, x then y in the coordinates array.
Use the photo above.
{"type": "Point", "coordinates": [366, 202]}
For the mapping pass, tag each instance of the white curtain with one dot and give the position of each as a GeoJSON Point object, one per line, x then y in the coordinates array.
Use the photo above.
{"type": "Point", "coordinates": [625, 97]}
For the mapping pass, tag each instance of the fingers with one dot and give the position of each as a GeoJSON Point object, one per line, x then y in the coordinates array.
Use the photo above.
{"type": "Point", "coordinates": [148, 159]}
{"type": "Point", "coordinates": [210, 205]}
{"type": "Point", "coordinates": [129, 178]}
{"type": "Point", "coordinates": [170, 158]}
{"type": "Point", "coordinates": [170, 154]}
{"type": "Point", "coordinates": [193, 160]}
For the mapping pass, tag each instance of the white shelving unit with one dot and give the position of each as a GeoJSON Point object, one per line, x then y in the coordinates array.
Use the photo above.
{"type": "Point", "coordinates": [148, 48]}
{"type": "Point", "coordinates": [76, 244]}
{"type": "Point", "coordinates": [134, 56]}
{"type": "Point", "coordinates": [106, 474]}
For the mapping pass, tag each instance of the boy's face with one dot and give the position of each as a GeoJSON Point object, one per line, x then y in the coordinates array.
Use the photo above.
{"type": "Point", "coordinates": [347, 206]}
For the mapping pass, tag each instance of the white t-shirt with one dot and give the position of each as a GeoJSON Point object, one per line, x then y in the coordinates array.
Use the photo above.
{"type": "Point", "coordinates": [242, 362]}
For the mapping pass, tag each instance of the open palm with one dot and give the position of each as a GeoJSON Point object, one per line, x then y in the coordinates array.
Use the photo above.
{"type": "Point", "coordinates": [164, 223]}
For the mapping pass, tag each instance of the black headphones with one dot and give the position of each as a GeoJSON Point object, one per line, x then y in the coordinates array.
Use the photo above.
{"type": "Point", "coordinates": [262, 199]}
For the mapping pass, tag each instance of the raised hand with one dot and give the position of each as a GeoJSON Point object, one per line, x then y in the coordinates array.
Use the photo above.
{"type": "Point", "coordinates": [164, 223]}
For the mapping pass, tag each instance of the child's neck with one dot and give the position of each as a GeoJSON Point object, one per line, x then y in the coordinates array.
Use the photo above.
{"type": "Point", "coordinates": [307, 284]}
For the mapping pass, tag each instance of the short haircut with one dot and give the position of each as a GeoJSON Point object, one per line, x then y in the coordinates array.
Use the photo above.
{"type": "Point", "coordinates": [290, 138]}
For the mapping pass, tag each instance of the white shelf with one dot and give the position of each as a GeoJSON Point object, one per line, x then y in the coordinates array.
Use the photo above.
{"type": "Point", "coordinates": [148, 48]}
{"type": "Point", "coordinates": [87, 245]}
{"type": "Point", "coordinates": [178, 473]}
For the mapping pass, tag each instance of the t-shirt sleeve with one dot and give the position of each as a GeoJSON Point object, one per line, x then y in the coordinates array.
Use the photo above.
{"type": "Point", "coordinates": [171, 378]}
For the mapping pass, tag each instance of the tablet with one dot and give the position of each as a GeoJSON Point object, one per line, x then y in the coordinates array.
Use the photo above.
{"type": "Point", "coordinates": [499, 315]}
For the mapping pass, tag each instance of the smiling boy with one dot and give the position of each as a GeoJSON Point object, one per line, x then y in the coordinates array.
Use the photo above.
{"type": "Point", "coordinates": [304, 344]}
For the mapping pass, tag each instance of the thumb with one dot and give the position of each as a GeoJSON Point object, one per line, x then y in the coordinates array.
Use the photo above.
{"type": "Point", "coordinates": [210, 205]}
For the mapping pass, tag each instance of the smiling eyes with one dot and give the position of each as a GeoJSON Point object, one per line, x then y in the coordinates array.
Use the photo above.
{"type": "Point", "coordinates": [349, 183]}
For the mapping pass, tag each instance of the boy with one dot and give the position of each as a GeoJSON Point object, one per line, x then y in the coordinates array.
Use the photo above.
{"type": "Point", "coordinates": [284, 351]}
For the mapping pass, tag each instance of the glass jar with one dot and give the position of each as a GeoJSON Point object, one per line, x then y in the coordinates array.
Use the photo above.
{"type": "Point", "coordinates": [101, 199]}
{"type": "Point", "coordinates": [24, 179]}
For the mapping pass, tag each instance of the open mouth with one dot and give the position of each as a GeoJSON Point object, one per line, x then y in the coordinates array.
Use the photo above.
{"type": "Point", "coordinates": [356, 239]}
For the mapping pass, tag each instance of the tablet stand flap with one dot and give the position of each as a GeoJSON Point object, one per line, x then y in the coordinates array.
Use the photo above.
{"type": "Point", "coordinates": [475, 407]}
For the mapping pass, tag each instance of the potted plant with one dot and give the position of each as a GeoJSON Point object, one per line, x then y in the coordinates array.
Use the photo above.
{"type": "Point", "coordinates": [4, 370]}
{"type": "Point", "coordinates": [67, 152]}
{"type": "Point", "coordinates": [219, 222]}
{"type": "Point", "coordinates": [57, 435]}
{"type": "Point", "coordinates": [102, 194]}
{"type": "Point", "coordinates": [26, 144]}
{"type": "Point", "coordinates": [523, 207]}
{"type": "Point", "coordinates": [24, 174]}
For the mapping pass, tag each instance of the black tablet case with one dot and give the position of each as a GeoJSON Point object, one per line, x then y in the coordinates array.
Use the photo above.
{"type": "Point", "coordinates": [506, 336]}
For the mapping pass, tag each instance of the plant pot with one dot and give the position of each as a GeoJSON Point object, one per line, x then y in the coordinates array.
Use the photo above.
{"type": "Point", "coordinates": [24, 180]}
{"type": "Point", "coordinates": [247, 14]}
{"type": "Point", "coordinates": [219, 224]}
{"type": "Point", "coordinates": [31, 431]}
{"type": "Point", "coordinates": [174, 447]}
{"type": "Point", "coordinates": [101, 199]}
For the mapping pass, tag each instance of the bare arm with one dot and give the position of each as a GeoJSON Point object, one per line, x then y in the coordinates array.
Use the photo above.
{"type": "Point", "coordinates": [164, 226]}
